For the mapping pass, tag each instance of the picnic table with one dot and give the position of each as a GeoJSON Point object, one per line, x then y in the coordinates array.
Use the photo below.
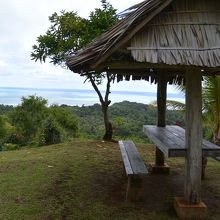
{"type": "Point", "coordinates": [171, 141]}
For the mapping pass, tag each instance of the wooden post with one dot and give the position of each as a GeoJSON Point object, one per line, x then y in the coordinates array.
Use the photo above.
{"type": "Point", "coordinates": [161, 101]}
{"type": "Point", "coordinates": [193, 138]}
{"type": "Point", "coordinates": [204, 164]}
{"type": "Point", "coordinates": [161, 113]}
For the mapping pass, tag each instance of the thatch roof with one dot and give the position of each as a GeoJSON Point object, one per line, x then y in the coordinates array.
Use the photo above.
{"type": "Point", "coordinates": [157, 34]}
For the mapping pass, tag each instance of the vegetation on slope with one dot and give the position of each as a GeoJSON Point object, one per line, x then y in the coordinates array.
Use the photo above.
{"type": "Point", "coordinates": [34, 123]}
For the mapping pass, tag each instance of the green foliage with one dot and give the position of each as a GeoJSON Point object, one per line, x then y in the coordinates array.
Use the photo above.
{"type": "Point", "coordinates": [211, 103]}
{"type": "Point", "coordinates": [2, 128]}
{"type": "Point", "coordinates": [66, 119]}
{"type": "Point", "coordinates": [35, 123]}
{"type": "Point", "coordinates": [47, 125]}
{"type": "Point", "coordinates": [28, 116]}
{"type": "Point", "coordinates": [49, 133]}
{"type": "Point", "coordinates": [128, 120]}
{"type": "Point", "coordinates": [10, 146]}
{"type": "Point", "coordinates": [5, 109]}
{"type": "Point", "coordinates": [6, 130]}
{"type": "Point", "coordinates": [69, 32]}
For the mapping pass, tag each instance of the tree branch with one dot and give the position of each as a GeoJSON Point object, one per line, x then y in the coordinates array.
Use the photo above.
{"type": "Point", "coordinates": [107, 92]}
{"type": "Point", "coordinates": [96, 88]}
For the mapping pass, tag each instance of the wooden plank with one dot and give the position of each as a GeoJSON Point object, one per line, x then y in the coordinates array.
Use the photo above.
{"type": "Point", "coordinates": [193, 135]}
{"type": "Point", "coordinates": [177, 131]}
{"type": "Point", "coordinates": [135, 159]}
{"type": "Point", "coordinates": [160, 143]}
{"type": "Point", "coordinates": [172, 141]}
{"type": "Point", "coordinates": [159, 137]}
{"type": "Point", "coordinates": [173, 138]}
{"type": "Point", "coordinates": [161, 100]}
{"type": "Point", "coordinates": [125, 158]}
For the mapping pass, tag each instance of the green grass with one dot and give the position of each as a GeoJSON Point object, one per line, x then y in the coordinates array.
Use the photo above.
{"type": "Point", "coordinates": [85, 180]}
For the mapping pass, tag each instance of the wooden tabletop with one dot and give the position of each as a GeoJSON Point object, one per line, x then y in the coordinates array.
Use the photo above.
{"type": "Point", "coordinates": [171, 141]}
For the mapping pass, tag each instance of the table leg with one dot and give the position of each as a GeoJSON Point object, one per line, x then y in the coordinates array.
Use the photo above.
{"type": "Point", "coordinates": [159, 157]}
{"type": "Point", "coordinates": [160, 167]}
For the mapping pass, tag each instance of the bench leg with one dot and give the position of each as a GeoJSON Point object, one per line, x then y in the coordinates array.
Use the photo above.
{"type": "Point", "coordinates": [135, 189]}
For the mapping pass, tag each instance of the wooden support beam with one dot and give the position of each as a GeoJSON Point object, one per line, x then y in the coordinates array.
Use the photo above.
{"type": "Point", "coordinates": [193, 138]}
{"type": "Point", "coordinates": [161, 116]}
{"type": "Point", "coordinates": [161, 100]}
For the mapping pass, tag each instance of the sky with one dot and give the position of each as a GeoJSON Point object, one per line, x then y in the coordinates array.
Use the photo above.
{"type": "Point", "coordinates": [22, 21]}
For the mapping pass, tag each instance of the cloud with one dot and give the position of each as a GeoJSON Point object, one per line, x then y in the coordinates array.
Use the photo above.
{"type": "Point", "coordinates": [21, 23]}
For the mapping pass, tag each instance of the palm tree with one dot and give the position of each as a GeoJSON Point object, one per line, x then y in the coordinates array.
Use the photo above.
{"type": "Point", "coordinates": [211, 102]}
{"type": "Point", "coordinates": [211, 107]}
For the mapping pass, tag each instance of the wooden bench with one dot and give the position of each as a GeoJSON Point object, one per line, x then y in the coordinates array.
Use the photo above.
{"type": "Point", "coordinates": [135, 169]}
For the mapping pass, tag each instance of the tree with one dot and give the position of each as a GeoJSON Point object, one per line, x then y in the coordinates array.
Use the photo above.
{"type": "Point", "coordinates": [28, 116]}
{"type": "Point", "coordinates": [67, 34]}
{"type": "Point", "coordinates": [211, 102]}
{"type": "Point", "coordinates": [65, 119]}
{"type": "Point", "coordinates": [211, 107]}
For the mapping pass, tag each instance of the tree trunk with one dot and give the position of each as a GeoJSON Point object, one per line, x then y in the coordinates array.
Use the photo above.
{"type": "Point", "coordinates": [108, 124]}
{"type": "Point", "coordinates": [105, 102]}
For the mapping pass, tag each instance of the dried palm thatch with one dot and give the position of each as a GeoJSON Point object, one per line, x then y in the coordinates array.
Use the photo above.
{"type": "Point", "coordinates": [186, 34]}
{"type": "Point", "coordinates": [156, 34]}
{"type": "Point", "coordinates": [104, 44]}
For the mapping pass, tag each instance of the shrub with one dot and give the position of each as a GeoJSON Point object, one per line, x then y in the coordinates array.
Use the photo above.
{"type": "Point", "coordinates": [28, 116]}
{"type": "Point", "coordinates": [10, 146]}
{"type": "Point", "coordinates": [49, 133]}
{"type": "Point", "coordinates": [66, 119]}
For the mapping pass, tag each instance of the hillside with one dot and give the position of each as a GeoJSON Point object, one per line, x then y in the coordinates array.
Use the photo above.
{"type": "Point", "coordinates": [85, 180]}
{"type": "Point", "coordinates": [127, 117]}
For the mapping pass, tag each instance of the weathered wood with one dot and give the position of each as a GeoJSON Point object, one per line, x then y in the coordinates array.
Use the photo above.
{"type": "Point", "coordinates": [135, 170]}
{"type": "Point", "coordinates": [135, 159]}
{"type": "Point", "coordinates": [126, 161]}
{"type": "Point", "coordinates": [161, 100]}
{"type": "Point", "coordinates": [161, 114]}
{"type": "Point", "coordinates": [134, 165]}
{"type": "Point", "coordinates": [192, 192]}
{"type": "Point", "coordinates": [170, 69]}
{"type": "Point", "coordinates": [159, 158]}
{"type": "Point", "coordinates": [171, 141]}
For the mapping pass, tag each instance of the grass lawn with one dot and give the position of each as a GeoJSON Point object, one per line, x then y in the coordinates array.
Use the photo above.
{"type": "Point", "coordinates": [85, 180]}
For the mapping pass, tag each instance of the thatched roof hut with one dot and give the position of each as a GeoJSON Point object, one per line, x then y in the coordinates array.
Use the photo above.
{"type": "Point", "coordinates": [155, 35]}
{"type": "Point", "coordinates": [164, 41]}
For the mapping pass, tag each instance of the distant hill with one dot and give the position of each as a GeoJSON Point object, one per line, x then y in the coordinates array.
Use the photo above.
{"type": "Point", "coordinates": [5, 109]}
{"type": "Point", "coordinates": [128, 119]}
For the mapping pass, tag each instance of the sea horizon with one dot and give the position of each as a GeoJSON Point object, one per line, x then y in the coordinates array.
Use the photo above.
{"type": "Point", "coordinates": [73, 97]}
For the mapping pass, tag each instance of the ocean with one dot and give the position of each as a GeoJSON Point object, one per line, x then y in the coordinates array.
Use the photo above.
{"type": "Point", "coordinates": [12, 96]}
